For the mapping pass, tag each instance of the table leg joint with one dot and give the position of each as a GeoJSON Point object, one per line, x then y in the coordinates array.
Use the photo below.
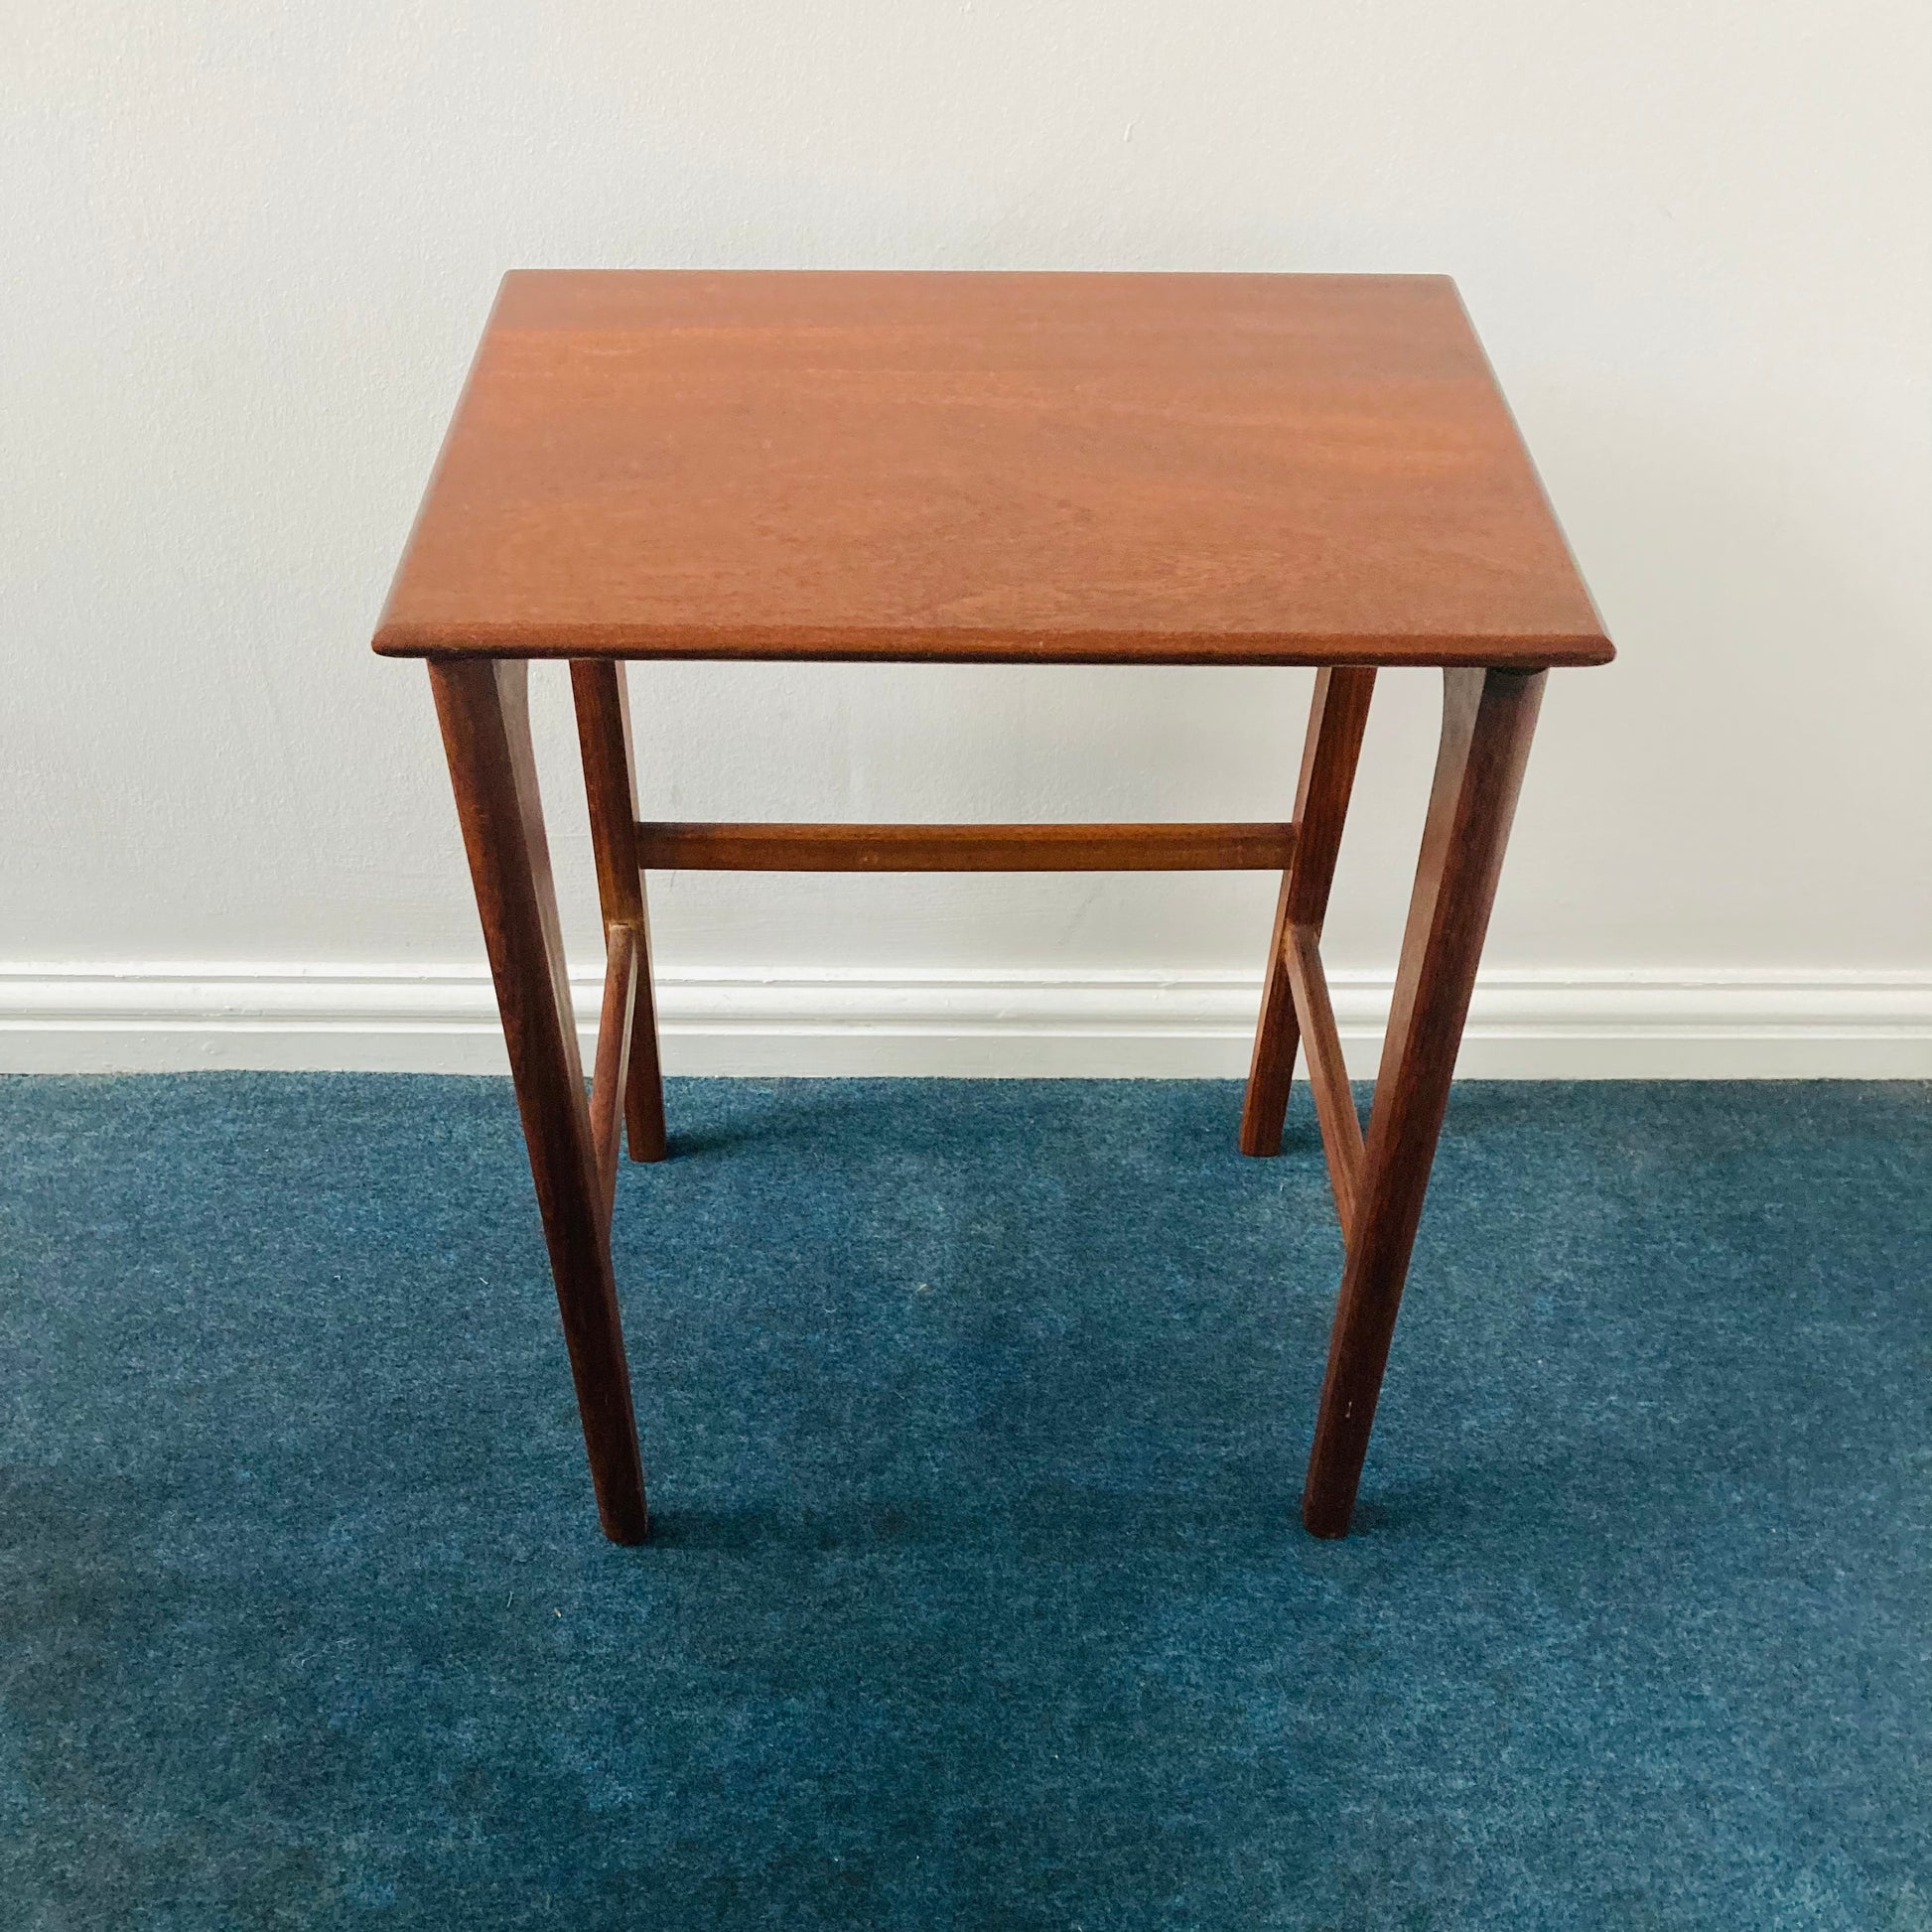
{"type": "Point", "coordinates": [623, 953]}
{"type": "Point", "coordinates": [1335, 1101]}
{"type": "Point", "coordinates": [1338, 717]}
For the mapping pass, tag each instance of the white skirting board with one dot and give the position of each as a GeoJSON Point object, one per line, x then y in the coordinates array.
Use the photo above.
{"type": "Point", "coordinates": [1551, 1025]}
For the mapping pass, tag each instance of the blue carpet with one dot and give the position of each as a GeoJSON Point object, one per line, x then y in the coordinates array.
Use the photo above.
{"type": "Point", "coordinates": [976, 1415]}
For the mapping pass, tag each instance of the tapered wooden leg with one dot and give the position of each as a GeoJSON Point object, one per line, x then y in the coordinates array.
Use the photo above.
{"type": "Point", "coordinates": [1487, 720]}
{"type": "Point", "coordinates": [1329, 752]}
{"type": "Point", "coordinates": [604, 733]}
{"type": "Point", "coordinates": [483, 708]}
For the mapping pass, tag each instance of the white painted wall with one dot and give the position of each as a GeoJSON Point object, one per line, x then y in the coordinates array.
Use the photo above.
{"type": "Point", "coordinates": [247, 250]}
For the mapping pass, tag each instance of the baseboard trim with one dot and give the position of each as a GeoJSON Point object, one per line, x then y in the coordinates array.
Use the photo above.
{"type": "Point", "coordinates": [1631, 1025]}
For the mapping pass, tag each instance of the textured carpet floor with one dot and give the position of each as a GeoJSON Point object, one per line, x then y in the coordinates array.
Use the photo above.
{"type": "Point", "coordinates": [975, 1415]}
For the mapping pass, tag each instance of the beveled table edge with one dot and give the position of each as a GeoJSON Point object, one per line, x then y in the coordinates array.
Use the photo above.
{"type": "Point", "coordinates": [909, 646]}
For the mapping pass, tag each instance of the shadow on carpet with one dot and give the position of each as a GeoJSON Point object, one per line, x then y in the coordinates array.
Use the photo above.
{"type": "Point", "coordinates": [975, 1415]}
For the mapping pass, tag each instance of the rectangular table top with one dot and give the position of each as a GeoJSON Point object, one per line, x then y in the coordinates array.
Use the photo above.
{"type": "Point", "coordinates": [987, 468]}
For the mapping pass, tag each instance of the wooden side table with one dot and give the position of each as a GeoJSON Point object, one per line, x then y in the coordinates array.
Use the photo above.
{"type": "Point", "coordinates": [987, 468]}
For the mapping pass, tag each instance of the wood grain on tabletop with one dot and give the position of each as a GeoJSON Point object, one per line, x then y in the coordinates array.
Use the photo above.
{"type": "Point", "coordinates": [1005, 468]}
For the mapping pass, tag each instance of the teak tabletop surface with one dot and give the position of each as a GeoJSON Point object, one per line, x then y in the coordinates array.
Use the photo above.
{"type": "Point", "coordinates": [1002, 468]}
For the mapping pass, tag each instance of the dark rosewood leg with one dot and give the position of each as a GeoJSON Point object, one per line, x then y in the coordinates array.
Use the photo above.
{"type": "Point", "coordinates": [1328, 754]}
{"type": "Point", "coordinates": [1487, 718]}
{"type": "Point", "coordinates": [481, 706]}
{"type": "Point", "coordinates": [603, 733]}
